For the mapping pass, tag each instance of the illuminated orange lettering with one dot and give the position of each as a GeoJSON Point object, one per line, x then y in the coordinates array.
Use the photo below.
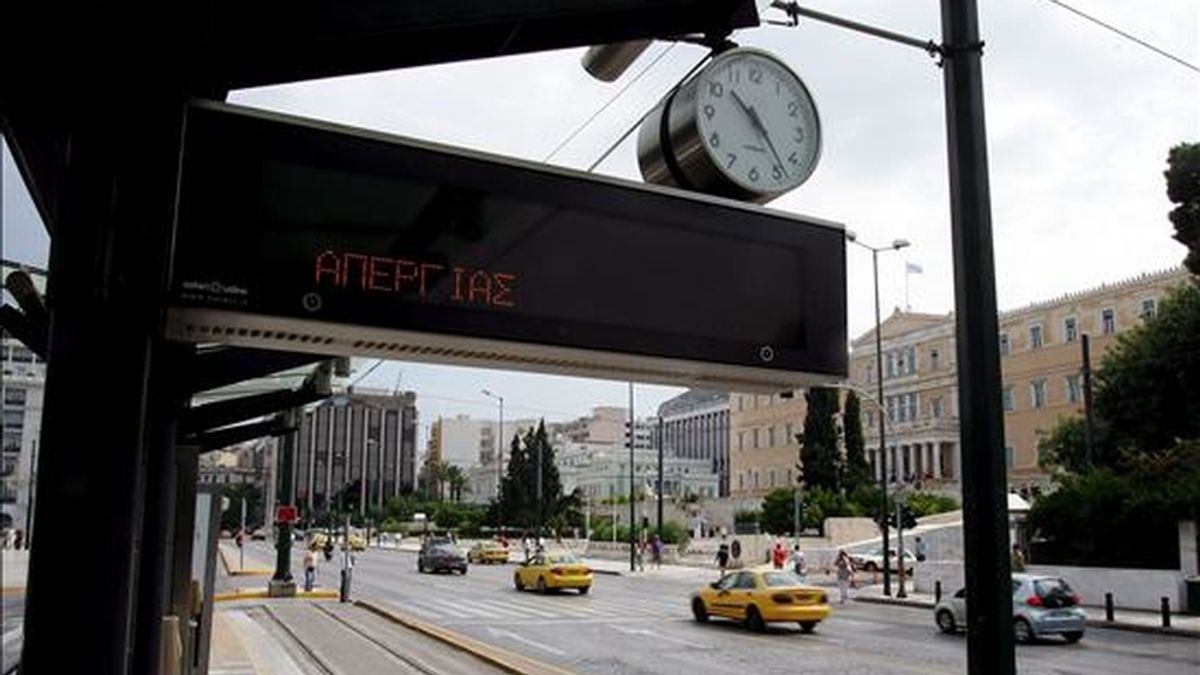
{"type": "Point", "coordinates": [481, 283]}
{"type": "Point", "coordinates": [406, 270]}
{"type": "Point", "coordinates": [327, 263]}
{"type": "Point", "coordinates": [378, 268]}
{"type": "Point", "coordinates": [458, 275]}
{"type": "Point", "coordinates": [426, 268]}
{"type": "Point", "coordinates": [503, 295]}
{"type": "Point", "coordinates": [362, 270]}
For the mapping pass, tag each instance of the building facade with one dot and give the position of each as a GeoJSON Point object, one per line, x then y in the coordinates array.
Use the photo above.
{"type": "Point", "coordinates": [763, 451]}
{"type": "Point", "coordinates": [362, 441]}
{"type": "Point", "coordinates": [21, 389]}
{"type": "Point", "coordinates": [601, 471]}
{"type": "Point", "coordinates": [695, 425]}
{"type": "Point", "coordinates": [1041, 365]}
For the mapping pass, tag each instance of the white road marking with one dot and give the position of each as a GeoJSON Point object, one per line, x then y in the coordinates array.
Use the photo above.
{"type": "Point", "coordinates": [537, 645]}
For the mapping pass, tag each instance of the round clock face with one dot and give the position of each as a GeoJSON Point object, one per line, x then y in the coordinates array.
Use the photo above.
{"type": "Point", "coordinates": [757, 121]}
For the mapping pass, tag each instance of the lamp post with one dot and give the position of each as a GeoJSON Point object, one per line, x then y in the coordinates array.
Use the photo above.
{"type": "Point", "coordinates": [883, 477]}
{"type": "Point", "coordinates": [499, 456]}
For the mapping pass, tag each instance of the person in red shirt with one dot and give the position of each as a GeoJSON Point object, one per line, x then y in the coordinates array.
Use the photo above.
{"type": "Point", "coordinates": [779, 555]}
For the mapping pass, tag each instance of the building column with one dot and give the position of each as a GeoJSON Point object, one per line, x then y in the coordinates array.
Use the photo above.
{"type": "Point", "coordinates": [937, 461]}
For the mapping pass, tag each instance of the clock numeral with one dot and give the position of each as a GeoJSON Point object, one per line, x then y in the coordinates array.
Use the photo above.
{"type": "Point", "coordinates": [709, 111]}
{"type": "Point", "coordinates": [714, 140]}
{"type": "Point", "coordinates": [753, 175]}
{"type": "Point", "coordinates": [793, 108]}
{"type": "Point", "coordinates": [799, 134]}
{"type": "Point", "coordinates": [715, 89]}
{"type": "Point", "coordinates": [793, 159]}
{"type": "Point", "coordinates": [777, 172]}
{"type": "Point", "coordinates": [755, 75]}
{"type": "Point", "coordinates": [735, 75]}
{"type": "Point", "coordinates": [731, 158]}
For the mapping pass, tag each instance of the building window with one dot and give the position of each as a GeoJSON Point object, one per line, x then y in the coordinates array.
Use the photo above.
{"type": "Point", "coordinates": [1004, 344]}
{"type": "Point", "coordinates": [741, 440]}
{"type": "Point", "coordinates": [1074, 391]}
{"type": "Point", "coordinates": [891, 364]}
{"type": "Point", "coordinates": [771, 437]}
{"type": "Point", "coordinates": [870, 418]}
{"type": "Point", "coordinates": [933, 359]}
{"type": "Point", "coordinates": [12, 441]}
{"type": "Point", "coordinates": [755, 439]}
{"type": "Point", "coordinates": [741, 403]}
{"type": "Point", "coordinates": [1008, 399]}
{"type": "Point", "coordinates": [21, 354]}
{"type": "Point", "coordinates": [1070, 329]}
{"type": "Point", "coordinates": [791, 436]}
{"type": "Point", "coordinates": [1035, 336]}
{"type": "Point", "coordinates": [755, 479]}
{"type": "Point", "coordinates": [1108, 321]}
{"type": "Point", "coordinates": [1008, 456]}
{"type": "Point", "coordinates": [1148, 309]}
{"type": "Point", "coordinates": [14, 396]}
{"type": "Point", "coordinates": [13, 420]}
{"type": "Point", "coordinates": [935, 408]}
{"type": "Point", "coordinates": [1037, 390]}
{"type": "Point", "coordinates": [891, 408]}
{"type": "Point", "coordinates": [912, 360]}
{"type": "Point", "coordinates": [771, 478]}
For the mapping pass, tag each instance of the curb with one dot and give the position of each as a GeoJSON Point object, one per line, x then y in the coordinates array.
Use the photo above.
{"type": "Point", "coordinates": [259, 594]}
{"type": "Point", "coordinates": [1092, 623]}
{"type": "Point", "coordinates": [509, 662]}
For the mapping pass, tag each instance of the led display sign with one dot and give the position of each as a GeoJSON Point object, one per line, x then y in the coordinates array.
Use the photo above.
{"type": "Point", "coordinates": [300, 235]}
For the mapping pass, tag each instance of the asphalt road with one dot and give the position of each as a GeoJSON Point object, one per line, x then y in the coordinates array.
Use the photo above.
{"type": "Point", "coordinates": [13, 606]}
{"type": "Point", "coordinates": [642, 624]}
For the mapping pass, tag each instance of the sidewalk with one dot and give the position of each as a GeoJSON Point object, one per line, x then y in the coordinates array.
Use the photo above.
{"type": "Point", "coordinates": [15, 568]}
{"type": "Point", "coordinates": [1183, 625]}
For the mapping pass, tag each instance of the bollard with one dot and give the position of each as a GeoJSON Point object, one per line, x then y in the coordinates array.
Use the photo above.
{"type": "Point", "coordinates": [937, 591]}
{"type": "Point", "coordinates": [1166, 612]}
{"type": "Point", "coordinates": [1108, 607]}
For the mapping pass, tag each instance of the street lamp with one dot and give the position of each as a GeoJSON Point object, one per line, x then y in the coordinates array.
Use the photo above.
{"type": "Point", "coordinates": [499, 455]}
{"type": "Point", "coordinates": [897, 244]}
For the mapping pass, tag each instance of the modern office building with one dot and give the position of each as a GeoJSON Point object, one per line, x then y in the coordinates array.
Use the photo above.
{"type": "Point", "coordinates": [21, 389]}
{"type": "Point", "coordinates": [360, 445]}
{"type": "Point", "coordinates": [695, 425]}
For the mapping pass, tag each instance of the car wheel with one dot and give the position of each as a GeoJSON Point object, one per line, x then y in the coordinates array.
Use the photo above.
{"type": "Point", "coordinates": [1073, 637]}
{"type": "Point", "coordinates": [807, 626]}
{"type": "Point", "coordinates": [518, 583]}
{"type": "Point", "coordinates": [583, 590]}
{"type": "Point", "coordinates": [945, 621]}
{"type": "Point", "coordinates": [754, 620]}
{"type": "Point", "coordinates": [541, 584]}
{"type": "Point", "coordinates": [699, 611]}
{"type": "Point", "coordinates": [420, 567]}
{"type": "Point", "coordinates": [871, 567]}
{"type": "Point", "coordinates": [1023, 632]}
{"type": "Point", "coordinates": [464, 571]}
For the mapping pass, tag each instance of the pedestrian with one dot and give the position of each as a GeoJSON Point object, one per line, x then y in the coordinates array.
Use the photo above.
{"type": "Point", "coordinates": [640, 550]}
{"type": "Point", "coordinates": [920, 549]}
{"type": "Point", "coordinates": [6, 537]}
{"type": "Point", "coordinates": [18, 540]}
{"type": "Point", "coordinates": [657, 552]}
{"type": "Point", "coordinates": [310, 567]}
{"type": "Point", "coordinates": [328, 547]}
{"type": "Point", "coordinates": [844, 569]}
{"type": "Point", "coordinates": [723, 555]}
{"type": "Point", "coordinates": [779, 555]}
{"type": "Point", "coordinates": [1018, 558]}
{"type": "Point", "coordinates": [798, 562]}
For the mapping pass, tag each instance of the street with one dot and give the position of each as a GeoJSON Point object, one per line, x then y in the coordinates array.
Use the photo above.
{"type": "Point", "coordinates": [641, 624]}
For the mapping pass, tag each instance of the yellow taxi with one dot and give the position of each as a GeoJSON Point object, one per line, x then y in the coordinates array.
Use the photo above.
{"type": "Point", "coordinates": [553, 571]}
{"type": "Point", "coordinates": [487, 552]}
{"type": "Point", "coordinates": [759, 597]}
{"type": "Point", "coordinates": [357, 542]}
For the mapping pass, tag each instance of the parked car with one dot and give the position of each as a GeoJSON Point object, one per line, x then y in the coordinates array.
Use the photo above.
{"type": "Point", "coordinates": [873, 561]}
{"type": "Point", "coordinates": [441, 557]}
{"type": "Point", "coordinates": [759, 597]}
{"type": "Point", "coordinates": [259, 535]}
{"type": "Point", "coordinates": [1042, 605]}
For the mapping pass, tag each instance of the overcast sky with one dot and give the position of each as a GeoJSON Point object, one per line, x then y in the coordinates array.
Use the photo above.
{"type": "Point", "coordinates": [1079, 124]}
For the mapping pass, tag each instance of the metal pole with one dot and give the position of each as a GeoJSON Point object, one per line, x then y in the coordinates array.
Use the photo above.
{"type": "Point", "coordinates": [985, 522]}
{"type": "Point", "coordinates": [883, 475]}
{"type": "Point", "coordinates": [658, 441]}
{"type": "Point", "coordinates": [900, 593]}
{"type": "Point", "coordinates": [1087, 400]}
{"type": "Point", "coordinates": [242, 538]}
{"type": "Point", "coordinates": [285, 496]}
{"type": "Point", "coordinates": [632, 495]}
{"type": "Point", "coordinates": [539, 493]}
{"type": "Point", "coordinates": [32, 490]}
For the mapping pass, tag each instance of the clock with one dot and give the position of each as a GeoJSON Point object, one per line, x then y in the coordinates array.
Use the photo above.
{"type": "Point", "coordinates": [744, 127]}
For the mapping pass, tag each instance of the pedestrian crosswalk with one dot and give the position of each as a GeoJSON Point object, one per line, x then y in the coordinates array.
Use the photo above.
{"type": "Point", "coordinates": [519, 607]}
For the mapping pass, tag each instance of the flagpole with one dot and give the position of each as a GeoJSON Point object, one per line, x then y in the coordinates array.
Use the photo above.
{"type": "Point", "coordinates": [907, 272]}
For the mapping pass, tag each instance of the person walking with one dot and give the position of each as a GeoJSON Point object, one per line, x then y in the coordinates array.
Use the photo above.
{"type": "Point", "coordinates": [780, 555]}
{"type": "Point", "coordinates": [920, 550]}
{"type": "Point", "coordinates": [656, 552]}
{"type": "Point", "coordinates": [723, 555]}
{"type": "Point", "coordinates": [1018, 558]}
{"type": "Point", "coordinates": [797, 560]}
{"type": "Point", "coordinates": [311, 559]}
{"type": "Point", "coordinates": [844, 570]}
{"type": "Point", "coordinates": [640, 550]}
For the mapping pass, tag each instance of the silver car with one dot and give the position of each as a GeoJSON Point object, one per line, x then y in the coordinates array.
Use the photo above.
{"type": "Point", "coordinates": [1042, 605]}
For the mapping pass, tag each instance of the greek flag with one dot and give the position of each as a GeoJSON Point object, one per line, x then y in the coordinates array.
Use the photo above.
{"type": "Point", "coordinates": [913, 268]}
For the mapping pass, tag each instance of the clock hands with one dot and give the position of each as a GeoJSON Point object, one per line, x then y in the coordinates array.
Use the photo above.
{"type": "Point", "coordinates": [758, 124]}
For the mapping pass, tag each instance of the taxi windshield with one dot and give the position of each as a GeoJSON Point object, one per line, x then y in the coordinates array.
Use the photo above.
{"type": "Point", "coordinates": [780, 579]}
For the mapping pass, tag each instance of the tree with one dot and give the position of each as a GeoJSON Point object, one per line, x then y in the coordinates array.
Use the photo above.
{"type": "Point", "coordinates": [1183, 188]}
{"type": "Point", "coordinates": [456, 481]}
{"type": "Point", "coordinates": [515, 504]}
{"type": "Point", "coordinates": [1148, 385]}
{"type": "Point", "coordinates": [537, 444]}
{"type": "Point", "coordinates": [857, 470]}
{"type": "Point", "coordinates": [231, 518]}
{"type": "Point", "coordinates": [819, 453]}
{"type": "Point", "coordinates": [1063, 447]}
{"type": "Point", "coordinates": [777, 511]}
